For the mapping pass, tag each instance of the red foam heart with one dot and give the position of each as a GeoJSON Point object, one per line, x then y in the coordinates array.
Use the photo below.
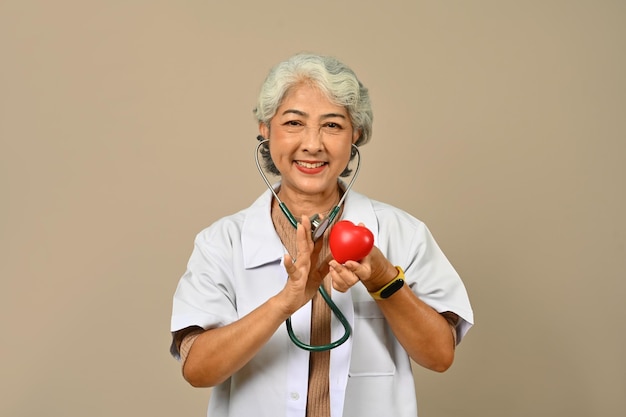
{"type": "Point", "coordinates": [349, 242]}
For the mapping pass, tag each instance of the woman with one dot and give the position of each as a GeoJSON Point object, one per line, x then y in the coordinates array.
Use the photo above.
{"type": "Point", "coordinates": [251, 271]}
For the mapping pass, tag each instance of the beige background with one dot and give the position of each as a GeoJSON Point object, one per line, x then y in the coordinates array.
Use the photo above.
{"type": "Point", "coordinates": [126, 128]}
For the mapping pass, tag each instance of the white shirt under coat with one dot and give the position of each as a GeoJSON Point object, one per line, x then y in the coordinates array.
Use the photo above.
{"type": "Point", "coordinates": [237, 265]}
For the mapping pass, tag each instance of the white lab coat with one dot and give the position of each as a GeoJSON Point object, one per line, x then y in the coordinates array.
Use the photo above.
{"type": "Point", "coordinates": [236, 265]}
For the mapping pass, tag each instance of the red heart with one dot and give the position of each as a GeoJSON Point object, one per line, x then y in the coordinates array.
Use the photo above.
{"type": "Point", "coordinates": [349, 242]}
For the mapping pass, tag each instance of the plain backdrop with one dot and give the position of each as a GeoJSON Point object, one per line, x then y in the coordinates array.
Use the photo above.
{"type": "Point", "coordinates": [126, 127]}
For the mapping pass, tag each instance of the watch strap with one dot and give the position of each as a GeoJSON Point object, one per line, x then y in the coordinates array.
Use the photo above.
{"type": "Point", "coordinates": [390, 288]}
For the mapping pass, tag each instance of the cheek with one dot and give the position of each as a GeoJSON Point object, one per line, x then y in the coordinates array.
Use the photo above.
{"type": "Point", "coordinates": [280, 153]}
{"type": "Point", "coordinates": [346, 153]}
{"type": "Point", "coordinates": [274, 154]}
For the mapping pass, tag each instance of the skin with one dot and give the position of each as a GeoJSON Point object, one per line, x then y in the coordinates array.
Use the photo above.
{"type": "Point", "coordinates": [310, 143]}
{"type": "Point", "coordinates": [309, 129]}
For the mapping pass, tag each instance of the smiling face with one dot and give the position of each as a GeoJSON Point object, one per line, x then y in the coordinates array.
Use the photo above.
{"type": "Point", "coordinates": [310, 144]}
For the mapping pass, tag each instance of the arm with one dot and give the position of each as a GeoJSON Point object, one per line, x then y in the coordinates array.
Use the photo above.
{"type": "Point", "coordinates": [423, 332]}
{"type": "Point", "coordinates": [218, 353]}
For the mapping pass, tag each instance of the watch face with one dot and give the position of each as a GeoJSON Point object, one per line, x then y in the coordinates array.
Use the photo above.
{"type": "Point", "coordinates": [395, 286]}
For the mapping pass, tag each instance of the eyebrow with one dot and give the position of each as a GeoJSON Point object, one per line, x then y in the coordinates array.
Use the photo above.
{"type": "Point", "coordinates": [303, 114]}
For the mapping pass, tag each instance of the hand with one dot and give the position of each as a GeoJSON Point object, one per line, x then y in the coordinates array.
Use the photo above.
{"type": "Point", "coordinates": [374, 271]}
{"type": "Point", "coordinates": [304, 278]}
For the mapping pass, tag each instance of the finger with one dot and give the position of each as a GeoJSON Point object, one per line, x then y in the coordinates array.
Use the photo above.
{"type": "Point", "coordinates": [323, 269]}
{"type": "Point", "coordinates": [343, 278]}
{"type": "Point", "coordinates": [354, 266]}
{"type": "Point", "coordinates": [304, 244]}
{"type": "Point", "coordinates": [306, 223]}
{"type": "Point", "coordinates": [316, 251]}
{"type": "Point", "coordinates": [337, 281]}
{"type": "Point", "coordinates": [362, 270]}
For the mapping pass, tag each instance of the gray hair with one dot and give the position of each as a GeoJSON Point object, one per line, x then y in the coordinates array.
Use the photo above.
{"type": "Point", "coordinates": [335, 79]}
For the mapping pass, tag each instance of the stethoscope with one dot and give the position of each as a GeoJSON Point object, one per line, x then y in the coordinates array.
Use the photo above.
{"type": "Point", "coordinates": [317, 230]}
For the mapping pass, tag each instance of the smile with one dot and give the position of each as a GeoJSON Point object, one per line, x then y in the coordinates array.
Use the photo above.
{"type": "Point", "coordinates": [310, 165]}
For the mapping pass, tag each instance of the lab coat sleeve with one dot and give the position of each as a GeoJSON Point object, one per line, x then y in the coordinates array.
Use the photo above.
{"type": "Point", "coordinates": [435, 281]}
{"type": "Point", "coordinates": [204, 296]}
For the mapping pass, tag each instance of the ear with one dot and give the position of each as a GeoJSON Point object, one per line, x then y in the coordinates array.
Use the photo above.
{"type": "Point", "coordinates": [264, 130]}
{"type": "Point", "coordinates": [356, 134]}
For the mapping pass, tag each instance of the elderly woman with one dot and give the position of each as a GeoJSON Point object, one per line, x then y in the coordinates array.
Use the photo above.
{"type": "Point", "coordinates": [252, 271]}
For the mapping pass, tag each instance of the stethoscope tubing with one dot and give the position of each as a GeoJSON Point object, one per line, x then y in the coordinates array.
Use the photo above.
{"type": "Point", "coordinates": [329, 219]}
{"type": "Point", "coordinates": [319, 231]}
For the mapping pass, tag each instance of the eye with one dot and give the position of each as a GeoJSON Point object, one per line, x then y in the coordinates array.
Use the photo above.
{"type": "Point", "coordinates": [332, 128]}
{"type": "Point", "coordinates": [292, 126]}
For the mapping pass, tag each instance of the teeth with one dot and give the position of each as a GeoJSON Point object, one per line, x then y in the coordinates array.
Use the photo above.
{"type": "Point", "coordinates": [309, 165]}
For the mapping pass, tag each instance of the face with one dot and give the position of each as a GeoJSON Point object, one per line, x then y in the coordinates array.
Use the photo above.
{"type": "Point", "coordinates": [310, 141]}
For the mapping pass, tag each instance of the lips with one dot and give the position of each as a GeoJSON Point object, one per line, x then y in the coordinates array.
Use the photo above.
{"type": "Point", "coordinates": [310, 165]}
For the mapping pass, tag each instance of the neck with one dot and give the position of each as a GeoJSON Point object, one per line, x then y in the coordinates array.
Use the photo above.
{"type": "Point", "coordinates": [308, 205]}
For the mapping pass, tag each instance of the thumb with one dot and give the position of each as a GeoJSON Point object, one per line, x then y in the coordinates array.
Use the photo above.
{"type": "Point", "coordinates": [289, 262]}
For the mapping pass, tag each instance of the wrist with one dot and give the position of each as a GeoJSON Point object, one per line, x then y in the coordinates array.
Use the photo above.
{"type": "Point", "coordinates": [283, 309]}
{"type": "Point", "coordinates": [391, 287]}
{"type": "Point", "coordinates": [389, 274]}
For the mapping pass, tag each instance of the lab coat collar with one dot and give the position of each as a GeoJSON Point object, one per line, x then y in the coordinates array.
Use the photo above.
{"type": "Point", "coordinates": [262, 245]}
{"type": "Point", "coordinates": [259, 240]}
{"type": "Point", "coordinates": [358, 209]}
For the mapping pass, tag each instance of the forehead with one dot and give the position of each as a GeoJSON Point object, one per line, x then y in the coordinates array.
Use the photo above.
{"type": "Point", "coordinates": [311, 100]}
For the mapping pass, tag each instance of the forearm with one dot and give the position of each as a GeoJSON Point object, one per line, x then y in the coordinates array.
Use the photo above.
{"type": "Point", "coordinates": [218, 353]}
{"type": "Point", "coordinates": [424, 333]}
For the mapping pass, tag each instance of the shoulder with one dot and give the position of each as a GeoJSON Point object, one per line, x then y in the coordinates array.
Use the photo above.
{"type": "Point", "coordinates": [388, 214]}
{"type": "Point", "coordinates": [227, 227]}
{"type": "Point", "coordinates": [394, 228]}
{"type": "Point", "coordinates": [223, 227]}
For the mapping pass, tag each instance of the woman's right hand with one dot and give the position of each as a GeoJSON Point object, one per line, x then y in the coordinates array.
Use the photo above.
{"type": "Point", "coordinates": [304, 278]}
{"type": "Point", "coordinates": [209, 364]}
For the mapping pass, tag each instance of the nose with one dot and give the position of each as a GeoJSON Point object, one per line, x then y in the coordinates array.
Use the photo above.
{"type": "Point", "coordinates": [312, 140]}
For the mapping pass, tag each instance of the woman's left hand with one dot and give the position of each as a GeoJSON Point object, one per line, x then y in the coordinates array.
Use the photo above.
{"type": "Point", "coordinates": [374, 271]}
{"type": "Point", "coordinates": [423, 332]}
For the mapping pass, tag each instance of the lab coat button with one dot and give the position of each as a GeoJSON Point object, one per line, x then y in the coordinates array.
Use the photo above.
{"type": "Point", "coordinates": [295, 396]}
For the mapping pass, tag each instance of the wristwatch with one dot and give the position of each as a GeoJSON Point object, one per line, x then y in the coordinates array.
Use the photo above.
{"type": "Point", "coordinates": [390, 289]}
